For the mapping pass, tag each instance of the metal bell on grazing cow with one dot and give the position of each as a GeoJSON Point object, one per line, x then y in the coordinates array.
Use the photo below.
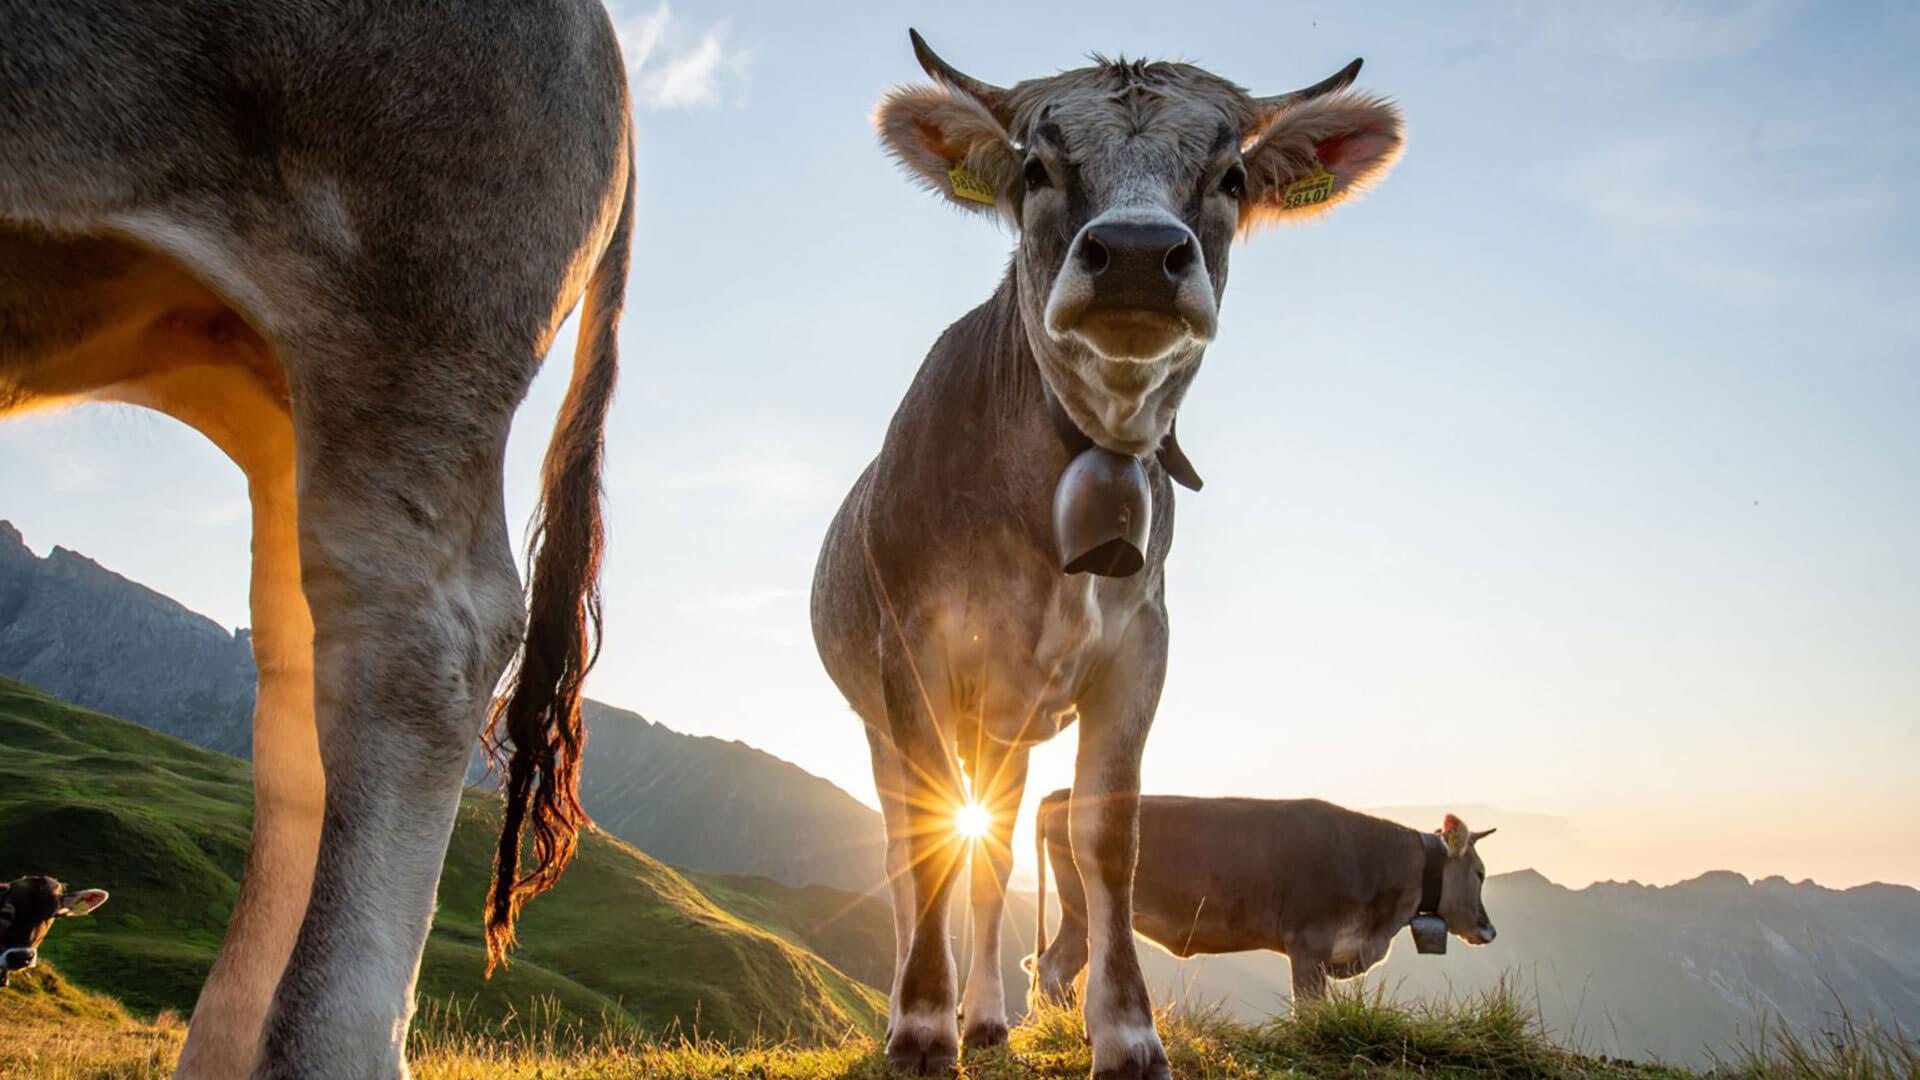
{"type": "Point", "coordinates": [1102, 514]}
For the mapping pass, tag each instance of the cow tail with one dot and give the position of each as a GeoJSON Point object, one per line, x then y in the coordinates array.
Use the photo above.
{"type": "Point", "coordinates": [538, 712]}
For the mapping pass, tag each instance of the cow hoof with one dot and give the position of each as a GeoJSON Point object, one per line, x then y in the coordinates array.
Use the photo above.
{"type": "Point", "coordinates": [922, 1053]}
{"type": "Point", "coordinates": [1142, 1061]}
{"type": "Point", "coordinates": [985, 1034]}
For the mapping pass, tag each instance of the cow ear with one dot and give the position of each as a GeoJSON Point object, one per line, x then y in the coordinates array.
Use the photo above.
{"type": "Point", "coordinates": [1317, 154]}
{"type": "Point", "coordinates": [82, 902]}
{"type": "Point", "coordinates": [1454, 832]}
{"type": "Point", "coordinates": [950, 143]}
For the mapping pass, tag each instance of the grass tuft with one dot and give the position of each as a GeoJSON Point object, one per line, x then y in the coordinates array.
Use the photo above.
{"type": "Point", "coordinates": [1849, 1048]}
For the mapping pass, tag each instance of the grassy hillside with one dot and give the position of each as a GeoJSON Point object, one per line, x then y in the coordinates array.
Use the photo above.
{"type": "Point", "coordinates": [96, 801]}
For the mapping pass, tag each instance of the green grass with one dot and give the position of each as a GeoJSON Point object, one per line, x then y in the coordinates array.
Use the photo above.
{"type": "Point", "coordinates": [624, 941]}
{"type": "Point", "coordinates": [1352, 1036]}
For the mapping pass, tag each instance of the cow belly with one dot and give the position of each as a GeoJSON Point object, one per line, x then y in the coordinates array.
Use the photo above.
{"type": "Point", "coordinates": [1025, 687]}
{"type": "Point", "coordinates": [1355, 952]}
{"type": "Point", "coordinates": [81, 315]}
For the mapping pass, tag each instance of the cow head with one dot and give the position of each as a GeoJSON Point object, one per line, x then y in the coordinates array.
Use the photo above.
{"type": "Point", "coordinates": [1460, 902]}
{"type": "Point", "coordinates": [1127, 182]}
{"type": "Point", "coordinates": [27, 910]}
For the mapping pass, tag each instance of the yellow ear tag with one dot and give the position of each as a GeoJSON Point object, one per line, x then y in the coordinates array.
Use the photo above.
{"type": "Point", "coordinates": [1309, 191]}
{"type": "Point", "coordinates": [968, 186]}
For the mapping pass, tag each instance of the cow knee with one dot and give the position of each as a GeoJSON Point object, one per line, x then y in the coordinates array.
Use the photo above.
{"type": "Point", "coordinates": [421, 640]}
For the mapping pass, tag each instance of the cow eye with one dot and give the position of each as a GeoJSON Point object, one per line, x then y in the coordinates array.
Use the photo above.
{"type": "Point", "coordinates": [1233, 183]}
{"type": "Point", "coordinates": [1037, 176]}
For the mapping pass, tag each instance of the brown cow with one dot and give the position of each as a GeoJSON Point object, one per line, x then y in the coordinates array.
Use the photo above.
{"type": "Point", "coordinates": [997, 574]}
{"type": "Point", "coordinates": [27, 910]}
{"type": "Point", "coordinates": [1324, 885]}
{"type": "Point", "coordinates": [337, 239]}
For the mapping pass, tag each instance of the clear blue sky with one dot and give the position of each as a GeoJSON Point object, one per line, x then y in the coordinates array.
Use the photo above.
{"type": "Point", "coordinates": [1580, 459]}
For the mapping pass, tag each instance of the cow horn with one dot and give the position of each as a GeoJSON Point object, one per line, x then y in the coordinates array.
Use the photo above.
{"type": "Point", "coordinates": [993, 98]}
{"type": "Point", "coordinates": [1265, 108]}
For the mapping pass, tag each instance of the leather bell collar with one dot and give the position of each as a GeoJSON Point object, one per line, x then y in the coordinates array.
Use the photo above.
{"type": "Point", "coordinates": [1429, 929]}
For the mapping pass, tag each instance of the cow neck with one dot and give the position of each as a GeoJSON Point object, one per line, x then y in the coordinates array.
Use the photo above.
{"type": "Point", "coordinates": [1169, 455]}
{"type": "Point", "coordinates": [1432, 874]}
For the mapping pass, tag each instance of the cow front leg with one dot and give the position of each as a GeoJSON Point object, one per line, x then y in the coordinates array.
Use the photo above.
{"type": "Point", "coordinates": [409, 575]}
{"type": "Point", "coordinates": [1103, 818]}
{"type": "Point", "coordinates": [997, 780]}
{"type": "Point", "coordinates": [889, 786]}
{"type": "Point", "coordinates": [923, 1035]}
{"type": "Point", "coordinates": [1309, 975]}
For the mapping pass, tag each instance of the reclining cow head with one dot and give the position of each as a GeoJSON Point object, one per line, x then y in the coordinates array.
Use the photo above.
{"type": "Point", "coordinates": [1465, 875]}
{"type": "Point", "coordinates": [1127, 182]}
{"type": "Point", "coordinates": [27, 910]}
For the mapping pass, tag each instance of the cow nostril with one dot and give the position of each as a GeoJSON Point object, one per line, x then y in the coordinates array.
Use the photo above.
{"type": "Point", "coordinates": [1180, 258]}
{"type": "Point", "coordinates": [1094, 255]}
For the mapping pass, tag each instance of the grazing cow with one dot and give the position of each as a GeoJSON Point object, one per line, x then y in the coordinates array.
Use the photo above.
{"type": "Point", "coordinates": [27, 910]}
{"type": "Point", "coordinates": [1325, 885]}
{"type": "Point", "coordinates": [996, 572]}
{"type": "Point", "coordinates": [337, 239]}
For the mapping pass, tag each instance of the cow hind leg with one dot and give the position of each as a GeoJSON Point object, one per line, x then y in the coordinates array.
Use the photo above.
{"type": "Point", "coordinates": [408, 572]}
{"type": "Point", "coordinates": [289, 792]}
{"type": "Point", "coordinates": [997, 779]}
{"type": "Point", "coordinates": [1066, 955]}
{"type": "Point", "coordinates": [246, 416]}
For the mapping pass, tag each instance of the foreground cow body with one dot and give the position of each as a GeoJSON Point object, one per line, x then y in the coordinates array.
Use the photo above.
{"type": "Point", "coordinates": [27, 910]}
{"type": "Point", "coordinates": [940, 604]}
{"type": "Point", "coordinates": [337, 239]}
{"type": "Point", "coordinates": [1325, 885]}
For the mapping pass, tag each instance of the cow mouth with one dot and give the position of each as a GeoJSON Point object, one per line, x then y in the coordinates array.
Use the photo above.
{"type": "Point", "coordinates": [1132, 334]}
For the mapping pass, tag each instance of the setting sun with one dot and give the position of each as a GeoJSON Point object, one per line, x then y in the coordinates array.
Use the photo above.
{"type": "Point", "coordinates": [972, 821]}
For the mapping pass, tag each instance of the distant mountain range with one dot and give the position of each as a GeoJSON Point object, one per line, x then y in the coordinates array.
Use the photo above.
{"type": "Point", "coordinates": [1669, 972]}
{"type": "Point", "coordinates": [89, 636]}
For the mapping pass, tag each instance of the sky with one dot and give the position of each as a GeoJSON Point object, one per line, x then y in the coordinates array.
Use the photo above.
{"type": "Point", "coordinates": [1570, 479]}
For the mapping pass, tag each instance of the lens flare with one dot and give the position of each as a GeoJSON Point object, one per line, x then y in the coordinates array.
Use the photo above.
{"type": "Point", "coordinates": [972, 821]}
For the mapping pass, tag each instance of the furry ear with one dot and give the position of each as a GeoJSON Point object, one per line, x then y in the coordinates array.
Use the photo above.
{"type": "Point", "coordinates": [1316, 155]}
{"type": "Point", "coordinates": [1457, 837]}
{"type": "Point", "coordinates": [84, 902]}
{"type": "Point", "coordinates": [951, 144]}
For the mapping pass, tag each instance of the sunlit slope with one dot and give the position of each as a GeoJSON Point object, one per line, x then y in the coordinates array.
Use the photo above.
{"type": "Point", "coordinates": [163, 825]}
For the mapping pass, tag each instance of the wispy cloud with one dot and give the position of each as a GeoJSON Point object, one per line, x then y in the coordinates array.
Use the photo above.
{"type": "Point", "coordinates": [676, 66]}
{"type": "Point", "coordinates": [1749, 213]}
{"type": "Point", "coordinates": [1654, 31]}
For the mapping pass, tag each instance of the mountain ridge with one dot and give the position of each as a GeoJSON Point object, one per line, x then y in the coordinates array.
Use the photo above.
{"type": "Point", "coordinates": [98, 639]}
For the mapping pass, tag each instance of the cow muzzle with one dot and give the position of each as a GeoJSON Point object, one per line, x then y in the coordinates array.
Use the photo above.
{"type": "Point", "coordinates": [18, 959]}
{"type": "Point", "coordinates": [1134, 287]}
